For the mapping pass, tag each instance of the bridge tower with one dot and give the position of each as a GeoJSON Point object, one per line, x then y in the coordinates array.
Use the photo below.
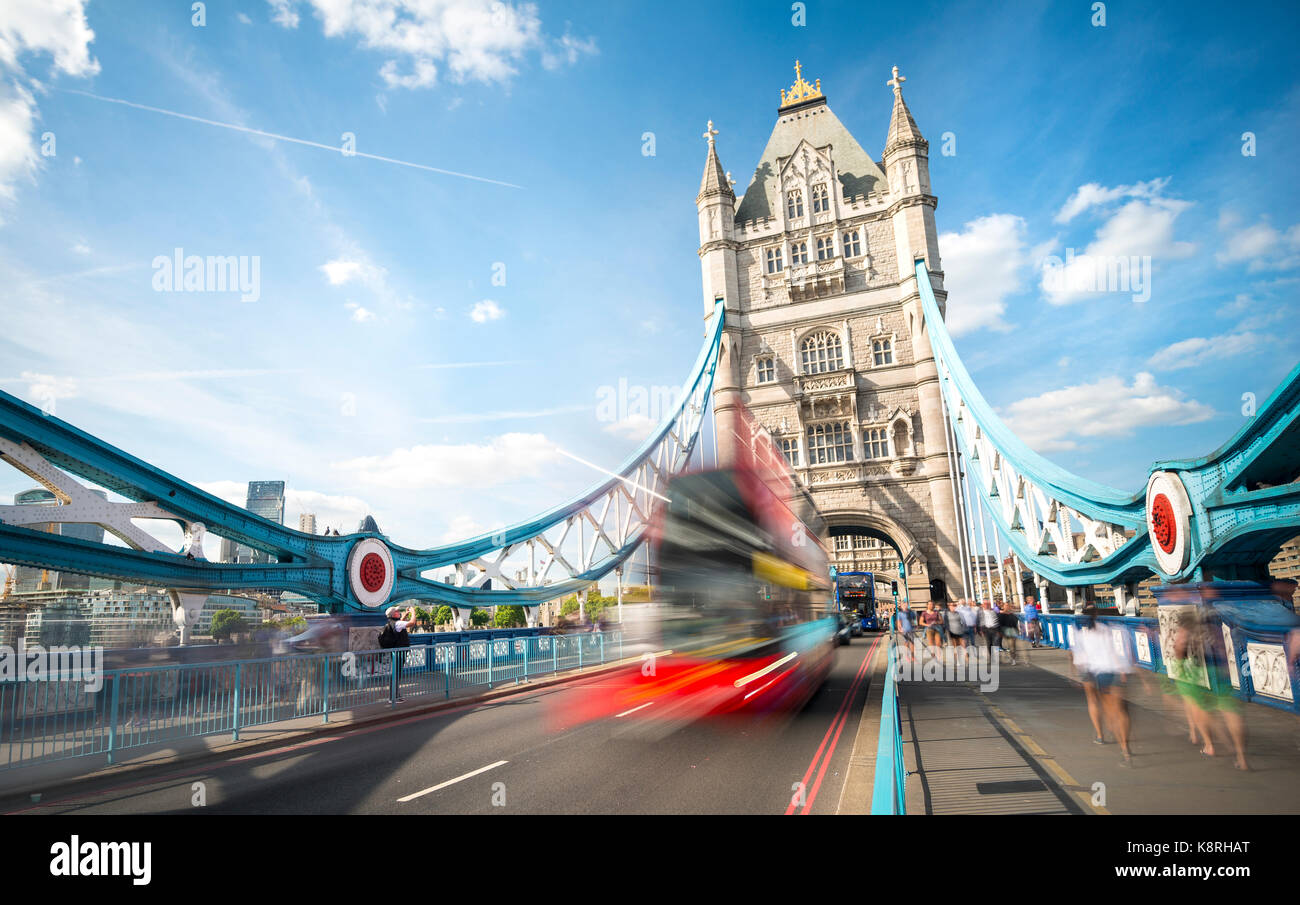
{"type": "Point", "coordinates": [825, 340]}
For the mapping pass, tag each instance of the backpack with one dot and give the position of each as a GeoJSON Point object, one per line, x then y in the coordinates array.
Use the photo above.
{"type": "Point", "coordinates": [390, 638]}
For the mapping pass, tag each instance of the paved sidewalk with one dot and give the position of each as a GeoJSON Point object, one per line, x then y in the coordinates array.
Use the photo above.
{"type": "Point", "coordinates": [1027, 748]}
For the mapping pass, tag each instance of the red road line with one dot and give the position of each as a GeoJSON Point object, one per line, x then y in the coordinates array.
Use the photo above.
{"type": "Point", "coordinates": [840, 719]}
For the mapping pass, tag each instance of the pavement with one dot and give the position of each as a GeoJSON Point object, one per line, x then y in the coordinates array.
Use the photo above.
{"type": "Point", "coordinates": [521, 753]}
{"type": "Point", "coordinates": [1027, 747]}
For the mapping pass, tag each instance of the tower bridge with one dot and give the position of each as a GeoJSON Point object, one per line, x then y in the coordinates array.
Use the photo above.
{"type": "Point", "coordinates": [824, 303]}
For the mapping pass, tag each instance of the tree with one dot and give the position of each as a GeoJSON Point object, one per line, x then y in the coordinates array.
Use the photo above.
{"type": "Point", "coordinates": [444, 616]}
{"type": "Point", "coordinates": [478, 618]}
{"type": "Point", "coordinates": [423, 617]}
{"type": "Point", "coordinates": [226, 623]}
{"type": "Point", "coordinates": [510, 617]}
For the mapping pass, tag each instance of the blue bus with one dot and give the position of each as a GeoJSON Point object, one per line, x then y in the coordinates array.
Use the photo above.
{"type": "Point", "coordinates": [855, 592]}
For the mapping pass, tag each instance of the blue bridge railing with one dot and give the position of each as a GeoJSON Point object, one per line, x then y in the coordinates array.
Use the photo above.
{"type": "Point", "coordinates": [1259, 669]}
{"type": "Point", "coordinates": [65, 716]}
{"type": "Point", "coordinates": [890, 792]}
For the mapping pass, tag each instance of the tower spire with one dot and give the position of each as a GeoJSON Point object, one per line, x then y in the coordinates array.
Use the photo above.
{"type": "Point", "coordinates": [715, 177]}
{"type": "Point", "coordinates": [902, 127]}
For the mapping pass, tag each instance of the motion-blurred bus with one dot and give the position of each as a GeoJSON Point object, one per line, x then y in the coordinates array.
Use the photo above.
{"type": "Point", "coordinates": [744, 602]}
{"type": "Point", "coordinates": [856, 594]}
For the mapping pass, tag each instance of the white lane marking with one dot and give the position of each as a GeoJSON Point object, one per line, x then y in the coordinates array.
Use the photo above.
{"type": "Point", "coordinates": [451, 782]}
{"type": "Point", "coordinates": [633, 710]}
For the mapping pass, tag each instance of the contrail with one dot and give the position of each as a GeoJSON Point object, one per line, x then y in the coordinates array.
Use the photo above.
{"type": "Point", "coordinates": [289, 138]}
{"type": "Point", "coordinates": [612, 474]}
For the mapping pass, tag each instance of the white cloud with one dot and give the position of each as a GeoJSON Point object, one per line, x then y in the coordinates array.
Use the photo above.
{"type": "Point", "coordinates": [243, 17]}
{"type": "Point", "coordinates": [982, 266]}
{"type": "Point", "coordinates": [567, 49]}
{"type": "Point", "coordinates": [1262, 245]}
{"type": "Point", "coordinates": [46, 388]}
{"type": "Point", "coordinates": [474, 40]}
{"type": "Point", "coordinates": [1121, 256]}
{"type": "Point", "coordinates": [1108, 407]}
{"type": "Point", "coordinates": [634, 427]}
{"type": "Point", "coordinates": [360, 314]}
{"type": "Point", "coordinates": [56, 27]}
{"type": "Point", "coordinates": [1093, 195]}
{"type": "Point", "coordinates": [283, 13]}
{"type": "Point", "coordinates": [506, 458]}
{"type": "Point", "coordinates": [1199, 350]}
{"type": "Point", "coordinates": [486, 310]}
{"type": "Point", "coordinates": [35, 27]}
{"type": "Point", "coordinates": [340, 271]}
{"type": "Point", "coordinates": [18, 157]}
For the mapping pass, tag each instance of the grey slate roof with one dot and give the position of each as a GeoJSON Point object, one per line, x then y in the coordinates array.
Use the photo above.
{"type": "Point", "coordinates": [858, 173]}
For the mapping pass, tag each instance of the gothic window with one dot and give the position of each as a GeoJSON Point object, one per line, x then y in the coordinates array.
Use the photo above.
{"type": "Point", "coordinates": [875, 444]}
{"type": "Point", "coordinates": [794, 204]}
{"type": "Point", "coordinates": [828, 443]}
{"type": "Point", "coordinates": [826, 248]}
{"type": "Point", "coordinates": [774, 264]}
{"type": "Point", "coordinates": [822, 352]}
{"type": "Point", "coordinates": [882, 351]}
{"type": "Point", "coordinates": [790, 449]}
{"type": "Point", "coordinates": [766, 370]}
{"type": "Point", "coordinates": [852, 244]}
{"type": "Point", "coordinates": [821, 200]}
{"type": "Point", "coordinates": [798, 252]}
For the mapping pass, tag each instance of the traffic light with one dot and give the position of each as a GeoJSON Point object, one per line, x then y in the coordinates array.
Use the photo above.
{"type": "Point", "coordinates": [893, 586]}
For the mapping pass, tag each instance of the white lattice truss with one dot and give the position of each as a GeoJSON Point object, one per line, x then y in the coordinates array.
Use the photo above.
{"type": "Point", "coordinates": [79, 505]}
{"type": "Point", "coordinates": [610, 523]}
{"type": "Point", "coordinates": [1019, 504]}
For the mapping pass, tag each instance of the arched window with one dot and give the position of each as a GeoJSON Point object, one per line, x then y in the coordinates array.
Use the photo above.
{"type": "Point", "coordinates": [794, 204]}
{"type": "Point", "coordinates": [821, 200]}
{"type": "Point", "coordinates": [875, 444]}
{"type": "Point", "coordinates": [798, 252]}
{"type": "Point", "coordinates": [822, 352]}
{"type": "Point", "coordinates": [882, 351]}
{"type": "Point", "coordinates": [829, 443]}
{"type": "Point", "coordinates": [766, 370]}
{"type": "Point", "coordinates": [826, 248]}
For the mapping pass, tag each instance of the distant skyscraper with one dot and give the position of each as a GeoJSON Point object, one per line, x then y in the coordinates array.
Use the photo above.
{"type": "Point", "coordinates": [265, 498]}
{"type": "Point", "coordinates": [307, 523]}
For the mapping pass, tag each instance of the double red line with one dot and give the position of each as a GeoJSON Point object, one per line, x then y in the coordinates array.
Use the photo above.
{"type": "Point", "coordinates": [836, 727]}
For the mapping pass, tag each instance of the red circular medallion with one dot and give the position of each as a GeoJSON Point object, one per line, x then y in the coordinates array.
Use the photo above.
{"type": "Point", "coordinates": [373, 572]}
{"type": "Point", "coordinates": [1163, 525]}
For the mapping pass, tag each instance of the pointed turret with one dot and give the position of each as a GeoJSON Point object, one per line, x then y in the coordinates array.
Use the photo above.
{"type": "Point", "coordinates": [715, 180]}
{"type": "Point", "coordinates": [716, 204]}
{"type": "Point", "coordinates": [902, 127]}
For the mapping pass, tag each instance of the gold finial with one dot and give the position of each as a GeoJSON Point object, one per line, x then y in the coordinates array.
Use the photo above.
{"type": "Point", "coordinates": [800, 91]}
{"type": "Point", "coordinates": [897, 82]}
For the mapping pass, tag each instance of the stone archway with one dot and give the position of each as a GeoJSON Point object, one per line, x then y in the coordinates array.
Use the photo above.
{"type": "Point", "coordinates": [896, 536]}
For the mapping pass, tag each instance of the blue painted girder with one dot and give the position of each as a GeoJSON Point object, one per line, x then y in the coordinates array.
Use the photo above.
{"type": "Point", "coordinates": [312, 565]}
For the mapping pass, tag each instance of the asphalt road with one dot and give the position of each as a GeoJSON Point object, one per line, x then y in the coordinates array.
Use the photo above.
{"type": "Point", "coordinates": [515, 755]}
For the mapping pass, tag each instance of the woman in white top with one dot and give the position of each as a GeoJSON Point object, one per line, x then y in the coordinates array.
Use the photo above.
{"type": "Point", "coordinates": [1103, 668]}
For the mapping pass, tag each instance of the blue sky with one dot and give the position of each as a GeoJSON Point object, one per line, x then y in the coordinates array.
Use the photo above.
{"type": "Point", "coordinates": [382, 370]}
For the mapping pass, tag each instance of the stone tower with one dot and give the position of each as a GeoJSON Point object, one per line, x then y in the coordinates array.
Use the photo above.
{"type": "Point", "coordinates": [825, 342]}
